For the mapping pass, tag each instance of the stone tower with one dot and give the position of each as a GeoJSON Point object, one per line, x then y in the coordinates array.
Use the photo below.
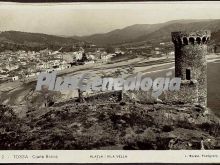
{"type": "Point", "coordinates": [190, 59]}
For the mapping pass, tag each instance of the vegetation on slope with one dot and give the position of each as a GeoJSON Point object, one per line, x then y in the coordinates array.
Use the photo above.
{"type": "Point", "coordinates": [109, 126]}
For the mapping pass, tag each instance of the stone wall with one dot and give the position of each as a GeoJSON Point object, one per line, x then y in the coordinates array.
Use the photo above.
{"type": "Point", "coordinates": [143, 97]}
{"type": "Point", "coordinates": [105, 97]}
{"type": "Point", "coordinates": [188, 93]}
{"type": "Point", "coordinates": [194, 59]}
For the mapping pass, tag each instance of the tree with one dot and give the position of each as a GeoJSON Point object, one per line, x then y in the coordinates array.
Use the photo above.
{"type": "Point", "coordinates": [84, 57]}
{"type": "Point", "coordinates": [110, 50]}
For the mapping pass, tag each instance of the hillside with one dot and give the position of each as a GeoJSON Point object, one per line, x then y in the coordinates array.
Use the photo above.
{"type": "Point", "coordinates": [117, 126]}
{"type": "Point", "coordinates": [121, 35]}
{"type": "Point", "coordinates": [33, 41]}
{"type": "Point", "coordinates": [164, 34]}
{"type": "Point", "coordinates": [14, 40]}
{"type": "Point", "coordinates": [152, 32]}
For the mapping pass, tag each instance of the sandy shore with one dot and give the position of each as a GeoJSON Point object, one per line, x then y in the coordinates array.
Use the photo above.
{"type": "Point", "coordinates": [13, 88]}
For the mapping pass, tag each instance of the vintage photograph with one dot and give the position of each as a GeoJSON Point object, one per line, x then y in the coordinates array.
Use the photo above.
{"type": "Point", "coordinates": [110, 76]}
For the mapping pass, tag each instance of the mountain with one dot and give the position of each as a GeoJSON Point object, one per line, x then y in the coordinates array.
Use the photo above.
{"type": "Point", "coordinates": [121, 35]}
{"type": "Point", "coordinates": [150, 32]}
{"type": "Point", "coordinates": [24, 40]}
{"type": "Point", "coordinates": [164, 33]}
{"type": "Point", "coordinates": [161, 32]}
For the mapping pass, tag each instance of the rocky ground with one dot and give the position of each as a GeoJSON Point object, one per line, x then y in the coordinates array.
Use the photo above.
{"type": "Point", "coordinates": [114, 125]}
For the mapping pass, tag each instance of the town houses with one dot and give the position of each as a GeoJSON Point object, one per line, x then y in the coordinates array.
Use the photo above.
{"type": "Point", "coordinates": [21, 65]}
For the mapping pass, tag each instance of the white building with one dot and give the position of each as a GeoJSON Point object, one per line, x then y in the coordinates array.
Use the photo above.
{"type": "Point", "coordinates": [107, 57]}
{"type": "Point", "coordinates": [40, 66]}
{"type": "Point", "coordinates": [12, 67]}
{"type": "Point", "coordinates": [90, 62]}
{"type": "Point", "coordinates": [78, 55]}
{"type": "Point", "coordinates": [157, 52]}
{"type": "Point", "coordinates": [65, 66]}
{"type": "Point", "coordinates": [92, 57]}
{"type": "Point", "coordinates": [30, 75]}
{"type": "Point", "coordinates": [23, 63]}
{"type": "Point", "coordinates": [14, 78]}
{"type": "Point", "coordinates": [171, 53]}
{"type": "Point", "coordinates": [4, 76]}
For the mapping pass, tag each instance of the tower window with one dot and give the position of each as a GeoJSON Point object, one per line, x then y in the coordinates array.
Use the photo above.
{"type": "Point", "coordinates": [198, 40]}
{"type": "Point", "coordinates": [203, 39]}
{"type": "Point", "coordinates": [180, 41]}
{"type": "Point", "coordinates": [191, 40]}
{"type": "Point", "coordinates": [185, 41]}
{"type": "Point", "coordinates": [188, 74]}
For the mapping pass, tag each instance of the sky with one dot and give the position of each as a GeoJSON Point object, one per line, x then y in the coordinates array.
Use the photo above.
{"type": "Point", "coordinates": [86, 18]}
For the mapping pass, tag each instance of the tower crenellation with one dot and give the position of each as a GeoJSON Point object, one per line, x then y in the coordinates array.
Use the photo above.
{"type": "Point", "coordinates": [184, 38]}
